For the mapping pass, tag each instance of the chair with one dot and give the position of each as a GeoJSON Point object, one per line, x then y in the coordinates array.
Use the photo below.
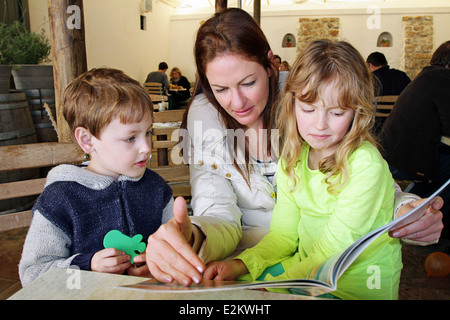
{"type": "Point", "coordinates": [165, 123]}
{"type": "Point", "coordinates": [156, 91]}
{"type": "Point", "coordinates": [383, 106]}
{"type": "Point", "coordinates": [37, 155]}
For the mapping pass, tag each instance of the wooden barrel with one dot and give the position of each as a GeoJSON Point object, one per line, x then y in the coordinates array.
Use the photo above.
{"type": "Point", "coordinates": [5, 75]}
{"type": "Point", "coordinates": [16, 127]}
{"type": "Point", "coordinates": [45, 131]}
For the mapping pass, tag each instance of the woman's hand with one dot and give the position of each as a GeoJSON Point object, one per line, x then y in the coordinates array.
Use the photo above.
{"type": "Point", "coordinates": [169, 254]}
{"type": "Point", "coordinates": [427, 228]}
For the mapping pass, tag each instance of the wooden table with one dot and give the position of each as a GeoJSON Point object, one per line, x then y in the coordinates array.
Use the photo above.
{"type": "Point", "coordinates": [67, 284]}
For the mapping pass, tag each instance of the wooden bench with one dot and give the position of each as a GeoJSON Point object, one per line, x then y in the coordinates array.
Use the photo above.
{"type": "Point", "coordinates": [25, 156]}
{"type": "Point", "coordinates": [383, 106]}
{"type": "Point", "coordinates": [177, 175]}
{"type": "Point", "coordinates": [50, 154]}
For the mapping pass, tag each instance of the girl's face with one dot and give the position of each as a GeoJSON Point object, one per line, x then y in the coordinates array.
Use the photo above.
{"type": "Point", "coordinates": [323, 124]}
{"type": "Point", "coordinates": [122, 149]}
{"type": "Point", "coordinates": [240, 86]}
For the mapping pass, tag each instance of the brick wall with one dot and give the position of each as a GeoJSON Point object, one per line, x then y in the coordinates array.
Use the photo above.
{"type": "Point", "coordinates": [418, 39]}
{"type": "Point", "coordinates": [311, 29]}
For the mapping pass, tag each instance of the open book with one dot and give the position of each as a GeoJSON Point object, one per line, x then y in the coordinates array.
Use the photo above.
{"type": "Point", "coordinates": [320, 280]}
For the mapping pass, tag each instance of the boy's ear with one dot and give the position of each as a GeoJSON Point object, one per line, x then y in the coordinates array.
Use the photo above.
{"type": "Point", "coordinates": [84, 139]}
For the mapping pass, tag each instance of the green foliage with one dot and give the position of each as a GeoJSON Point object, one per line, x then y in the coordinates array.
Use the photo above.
{"type": "Point", "coordinates": [20, 46]}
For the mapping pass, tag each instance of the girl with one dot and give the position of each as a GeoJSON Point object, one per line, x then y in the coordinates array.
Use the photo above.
{"type": "Point", "coordinates": [333, 185]}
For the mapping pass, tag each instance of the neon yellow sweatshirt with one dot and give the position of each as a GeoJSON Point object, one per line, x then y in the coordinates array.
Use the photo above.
{"type": "Point", "coordinates": [310, 225]}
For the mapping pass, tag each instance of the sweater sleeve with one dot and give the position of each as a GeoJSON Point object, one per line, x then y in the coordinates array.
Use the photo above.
{"type": "Point", "coordinates": [46, 246]}
{"type": "Point", "coordinates": [167, 211]}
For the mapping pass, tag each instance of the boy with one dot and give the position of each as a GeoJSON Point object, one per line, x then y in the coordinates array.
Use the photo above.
{"type": "Point", "coordinates": [110, 117]}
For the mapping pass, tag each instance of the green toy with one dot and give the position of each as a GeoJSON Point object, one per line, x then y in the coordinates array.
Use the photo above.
{"type": "Point", "coordinates": [131, 246]}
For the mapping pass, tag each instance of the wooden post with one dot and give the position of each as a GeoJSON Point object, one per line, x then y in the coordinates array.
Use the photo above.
{"type": "Point", "coordinates": [221, 5]}
{"type": "Point", "coordinates": [257, 11]}
{"type": "Point", "coordinates": [68, 50]}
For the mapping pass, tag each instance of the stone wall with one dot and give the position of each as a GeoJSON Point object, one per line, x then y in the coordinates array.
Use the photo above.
{"type": "Point", "coordinates": [418, 39]}
{"type": "Point", "coordinates": [311, 29]}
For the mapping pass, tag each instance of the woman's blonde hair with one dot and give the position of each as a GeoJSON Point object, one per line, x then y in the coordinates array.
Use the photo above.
{"type": "Point", "coordinates": [321, 63]}
{"type": "Point", "coordinates": [175, 69]}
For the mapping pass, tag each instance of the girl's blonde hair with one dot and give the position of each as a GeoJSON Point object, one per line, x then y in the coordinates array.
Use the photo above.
{"type": "Point", "coordinates": [321, 63]}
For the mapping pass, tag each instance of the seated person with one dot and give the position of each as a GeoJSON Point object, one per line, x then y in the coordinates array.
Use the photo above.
{"type": "Point", "coordinates": [387, 81]}
{"type": "Point", "coordinates": [114, 191]}
{"type": "Point", "coordinates": [178, 81]}
{"type": "Point", "coordinates": [160, 76]}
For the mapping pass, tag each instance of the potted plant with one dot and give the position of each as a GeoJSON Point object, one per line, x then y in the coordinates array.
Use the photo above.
{"type": "Point", "coordinates": [288, 42]}
{"type": "Point", "coordinates": [25, 50]}
{"type": "Point", "coordinates": [385, 43]}
{"type": "Point", "coordinates": [5, 68]}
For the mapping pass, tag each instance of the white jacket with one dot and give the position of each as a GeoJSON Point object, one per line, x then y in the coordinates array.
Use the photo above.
{"type": "Point", "coordinates": [222, 202]}
{"type": "Point", "coordinates": [232, 216]}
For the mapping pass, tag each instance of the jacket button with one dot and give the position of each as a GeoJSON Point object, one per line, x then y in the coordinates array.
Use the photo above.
{"type": "Point", "coordinates": [214, 166]}
{"type": "Point", "coordinates": [274, 194]}
{"type": "Point", "coordinates": [200, 162]}
{"type": "Point", "coordinates": [228, 175]}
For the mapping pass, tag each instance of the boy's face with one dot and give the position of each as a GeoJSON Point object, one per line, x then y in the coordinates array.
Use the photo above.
{"type": "Point", "coordinates": [122, 149]}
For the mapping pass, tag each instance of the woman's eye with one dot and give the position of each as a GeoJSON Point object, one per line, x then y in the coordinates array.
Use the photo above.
{"type": "Point", "coordinates": [307, 110]}
{"type": "Point", "coordinates": [221, 90]}
{"type": "Point", "coordinates": [148, 133]}
{"type": "Point", "coordinates": [130, 140]}
{"type": "Point", "coordinates": [249, 84]}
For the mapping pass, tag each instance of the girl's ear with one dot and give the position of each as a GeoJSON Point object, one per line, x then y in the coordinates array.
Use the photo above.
{"type": "Point", "coordinates": [84, 139]}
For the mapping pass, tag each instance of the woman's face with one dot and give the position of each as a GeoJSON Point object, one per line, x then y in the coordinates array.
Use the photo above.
{"type": "Point", "coordinates": [240, 86]}
{"type": "Point", "coordinates": [175, 75]}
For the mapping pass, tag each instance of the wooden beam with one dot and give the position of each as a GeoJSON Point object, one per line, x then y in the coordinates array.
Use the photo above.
{"type": "Point", "coordinates": [221, 5]}
{"type": "Point", "coordinates": [257, 11]}
{"type": "Point", "coordinates": [68, 51]}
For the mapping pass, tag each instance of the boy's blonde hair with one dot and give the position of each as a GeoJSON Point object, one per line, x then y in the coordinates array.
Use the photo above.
{"type": "Point", "coordinates": [98, 96]}
{"type": "Point", "coordinates": [321, 63]}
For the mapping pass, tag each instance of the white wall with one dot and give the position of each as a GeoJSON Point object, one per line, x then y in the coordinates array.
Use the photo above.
{"type": "Point", "coordinates": [113, 35]}
{"type": "Point", "coordinates": [353, 24]}
{"type": "Point", "coordinates": [114, 38]}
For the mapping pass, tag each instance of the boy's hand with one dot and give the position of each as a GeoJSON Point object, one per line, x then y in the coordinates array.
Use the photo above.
{"type": "Point", "coordinates": [139, 268]}
{"type": "Point", "coordinates": [110, 260]}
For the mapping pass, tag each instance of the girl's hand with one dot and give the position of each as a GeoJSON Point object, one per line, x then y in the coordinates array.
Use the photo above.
{"type": "Point", "coordinates": [225, 270]}
{"type": "Point", "coordinates": [110, 260]}
{"type": "Point", "coordinates": [427, 228]}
